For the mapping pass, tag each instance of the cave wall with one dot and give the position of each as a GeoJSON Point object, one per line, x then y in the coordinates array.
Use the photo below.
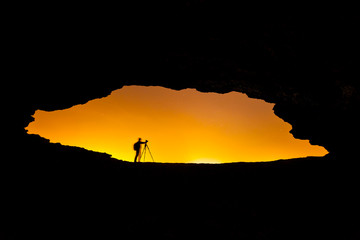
{"type": "Point", "coordinates": [306, 63]}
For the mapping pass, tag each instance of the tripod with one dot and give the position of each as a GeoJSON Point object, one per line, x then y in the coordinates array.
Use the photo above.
{"type": "Point", "coordinates": [144, 153]}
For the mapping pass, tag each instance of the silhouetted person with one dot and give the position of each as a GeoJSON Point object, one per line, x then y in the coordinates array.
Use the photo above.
{"type": "Point", "coordinates": [137, 147]}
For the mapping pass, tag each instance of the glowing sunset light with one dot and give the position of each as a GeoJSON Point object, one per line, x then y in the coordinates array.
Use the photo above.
{"type": "Point", "coordinates": [207, 160]}
{"type": "Point", "coordinates": [181, 126]}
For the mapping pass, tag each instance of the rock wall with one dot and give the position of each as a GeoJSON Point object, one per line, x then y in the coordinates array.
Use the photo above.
{"type": "Point", "coordinates": [305, 63]}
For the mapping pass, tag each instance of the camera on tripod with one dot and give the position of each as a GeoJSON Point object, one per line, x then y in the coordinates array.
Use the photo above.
{"type": "Point", "coordinates": [146, 148]}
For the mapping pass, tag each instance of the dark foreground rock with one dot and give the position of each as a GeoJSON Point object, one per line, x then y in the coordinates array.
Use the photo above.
{"type": "Point", "coordinates": [57, 192]}
{"type": "Point", "coordinates": [306, 63]}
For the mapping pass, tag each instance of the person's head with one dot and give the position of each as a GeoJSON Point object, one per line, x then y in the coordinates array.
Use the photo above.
{"type": "Point", "coordinates": [139, 139]}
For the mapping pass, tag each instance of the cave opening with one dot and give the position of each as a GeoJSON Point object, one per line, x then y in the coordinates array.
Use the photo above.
{"type": "Point", "coordinates": [185, 126]}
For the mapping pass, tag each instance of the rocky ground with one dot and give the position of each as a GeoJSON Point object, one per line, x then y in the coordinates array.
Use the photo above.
{"type": "Point", "coordinates": [57, 192]}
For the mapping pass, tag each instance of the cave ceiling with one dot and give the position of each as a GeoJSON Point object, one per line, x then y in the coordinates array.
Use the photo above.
{"type": "Point", "coordinates": [307, 66]}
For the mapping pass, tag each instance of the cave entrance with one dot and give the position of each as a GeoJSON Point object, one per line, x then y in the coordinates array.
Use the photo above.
{"type": "Point", "coordinates": [184, 126]}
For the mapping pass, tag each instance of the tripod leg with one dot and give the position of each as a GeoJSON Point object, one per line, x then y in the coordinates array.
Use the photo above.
{"type": "Point", "coordinates": [143, 153]}
{"type": "Point", "coordinates": [150, 153]}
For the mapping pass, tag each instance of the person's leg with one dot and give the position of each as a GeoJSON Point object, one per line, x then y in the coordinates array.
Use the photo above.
{"type": "Point", "coordinates": [139, 155]}
{"type": "Point", "coordinates": [136, 156]}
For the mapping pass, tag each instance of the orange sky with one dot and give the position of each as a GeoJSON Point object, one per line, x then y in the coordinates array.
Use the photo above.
{"type": "Point", "coordinates": [181, 126]}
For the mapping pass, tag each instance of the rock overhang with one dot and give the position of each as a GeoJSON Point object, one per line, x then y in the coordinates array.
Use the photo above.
{"type": "Point", "coordinates": [307, 67]}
